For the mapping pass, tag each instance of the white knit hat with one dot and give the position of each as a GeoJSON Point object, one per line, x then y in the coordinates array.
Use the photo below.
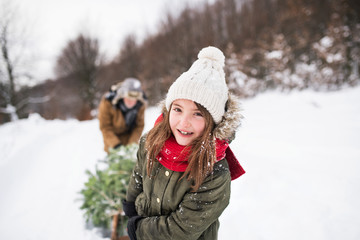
{"type": "Point", "coordinates": [203, 83]}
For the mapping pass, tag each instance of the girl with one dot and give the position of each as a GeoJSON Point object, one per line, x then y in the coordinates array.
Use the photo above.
{"type": "Point", "coordinates": [181, 182]}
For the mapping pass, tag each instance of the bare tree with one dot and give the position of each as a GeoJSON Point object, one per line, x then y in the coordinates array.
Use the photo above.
{"type": "Point", "coordinates": [129, 58]}
{"type": "Point", "coordinates": [13, 62]}
{"type": "Point", "coordinates": [8, 65]}
{"type": "Point", "coordinates": [81, 60]}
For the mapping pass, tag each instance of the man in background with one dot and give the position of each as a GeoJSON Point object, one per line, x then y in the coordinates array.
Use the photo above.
{"type": "Point", "coordinates": [121, 114]}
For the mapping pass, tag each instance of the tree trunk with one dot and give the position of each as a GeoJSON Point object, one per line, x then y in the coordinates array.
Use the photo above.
{"type": "Point", "coordinates": [115, 222]}
{"type": "Point", "coordinates": [114, 233]}
{"type": "Point", "coordinates": [123, 238]}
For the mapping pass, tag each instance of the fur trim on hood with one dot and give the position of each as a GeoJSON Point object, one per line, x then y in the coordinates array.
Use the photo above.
{"type": "Point", "coordinates": [230, 122]}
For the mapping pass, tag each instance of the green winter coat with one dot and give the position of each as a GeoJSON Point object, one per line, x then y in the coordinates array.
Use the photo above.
{"type": "Point", "coordinates": [170, 209]}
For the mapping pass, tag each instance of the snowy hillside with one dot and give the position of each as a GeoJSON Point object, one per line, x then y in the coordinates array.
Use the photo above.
{"type": "Point", "coordinates": [301, 152]}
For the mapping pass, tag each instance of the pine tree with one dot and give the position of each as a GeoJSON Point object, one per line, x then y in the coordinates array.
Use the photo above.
{"type": "Point", "coordinates": [106, 188]}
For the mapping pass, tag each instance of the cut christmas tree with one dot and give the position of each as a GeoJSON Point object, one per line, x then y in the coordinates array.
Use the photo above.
{"type": "Point", "coordinates": [106, 188]}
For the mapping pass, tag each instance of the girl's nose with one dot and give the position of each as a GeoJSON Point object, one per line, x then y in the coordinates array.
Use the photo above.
{"type": "Point", "coordinates": [185, 121]}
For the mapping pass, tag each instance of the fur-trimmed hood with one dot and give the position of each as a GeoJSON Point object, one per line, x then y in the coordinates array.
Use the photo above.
{"type": "Point", "coordinates": [230, 122]}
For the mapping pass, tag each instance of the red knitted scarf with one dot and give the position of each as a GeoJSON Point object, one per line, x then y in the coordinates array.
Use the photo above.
{"type": "Point", "coordinates": [175, 157]}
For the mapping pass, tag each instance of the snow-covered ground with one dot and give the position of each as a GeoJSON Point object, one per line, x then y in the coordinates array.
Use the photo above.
{"type": "Point", "coordinates": [301, 152]}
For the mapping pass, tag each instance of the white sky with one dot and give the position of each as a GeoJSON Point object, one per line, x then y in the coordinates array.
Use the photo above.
{"type": "Point", "coordinates": [51, 23]}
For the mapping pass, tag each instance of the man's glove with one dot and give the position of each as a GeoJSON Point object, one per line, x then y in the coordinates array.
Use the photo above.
{"type": "Point", "coordinates": [117, 146]}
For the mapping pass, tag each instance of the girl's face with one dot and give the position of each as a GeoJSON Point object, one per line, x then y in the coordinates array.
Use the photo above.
{"type": "Point", "coordinates": [186, 121]}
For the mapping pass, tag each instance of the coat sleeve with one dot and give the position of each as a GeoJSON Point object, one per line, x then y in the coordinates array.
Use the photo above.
{"type": "Point", "coordinates": [136, 179]}
{"type": "Point", "coordinates": [106, 124]}
{"type": "Point", "coordinates": [197, 211]}
{"type": "Point", "coordinates": [137, 131]}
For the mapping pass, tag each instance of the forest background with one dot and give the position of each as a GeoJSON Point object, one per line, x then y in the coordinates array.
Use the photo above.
{"type": "Point", "coordinates": [273, 44]}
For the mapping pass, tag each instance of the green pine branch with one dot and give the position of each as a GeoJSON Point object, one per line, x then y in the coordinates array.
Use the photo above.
{"type": "Point", "coordinates": [104, 190]}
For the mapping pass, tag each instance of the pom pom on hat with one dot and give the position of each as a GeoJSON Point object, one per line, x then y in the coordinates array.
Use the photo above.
{"type": "Point", "coordinates": [203, 83]}
{"type": "Point", "coordinates": [214, 54]}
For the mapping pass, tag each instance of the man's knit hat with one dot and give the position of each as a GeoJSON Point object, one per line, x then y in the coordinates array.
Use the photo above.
{"type": "Point", "coordinates": [129, 88]}
{"type": "Point", "coordinates": [203, 83]}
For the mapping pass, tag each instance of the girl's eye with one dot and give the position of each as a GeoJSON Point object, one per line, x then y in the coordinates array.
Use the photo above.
{"type": "Point", "coordinates": [177, 109]}
{"type": "Point", "coordinates": [198, 114]}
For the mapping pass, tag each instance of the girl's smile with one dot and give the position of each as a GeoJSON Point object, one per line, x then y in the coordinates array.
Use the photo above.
{"type": "Point", "coordinates": [186, 121]}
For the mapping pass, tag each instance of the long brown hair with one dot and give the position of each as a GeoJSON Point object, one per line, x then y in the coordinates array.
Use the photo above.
{"type": "Point", "coordinates": [203, 149]}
